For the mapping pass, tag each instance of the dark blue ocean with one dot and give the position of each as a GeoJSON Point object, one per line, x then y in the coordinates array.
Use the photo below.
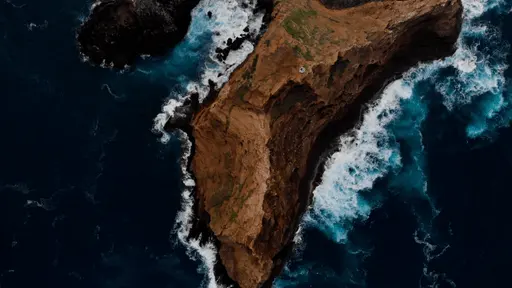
{"type": "Point", "coordinates": [88, 195]}
{"type": "Point", "coordinates": [416, 196]}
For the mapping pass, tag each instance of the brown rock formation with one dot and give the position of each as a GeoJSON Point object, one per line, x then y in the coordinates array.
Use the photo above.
{"type": "Point", "coordinates": [258, 143]}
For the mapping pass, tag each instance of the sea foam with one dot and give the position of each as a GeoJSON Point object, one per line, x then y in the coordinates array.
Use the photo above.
{"type": "Point", "coordinates": [229, 20]}
{"type": "Point", "coordinates": [371, 151]}
{"type": "Point", "coordinates": [207, 252]}
{"type": "Point", "coordinates": [365, 154]}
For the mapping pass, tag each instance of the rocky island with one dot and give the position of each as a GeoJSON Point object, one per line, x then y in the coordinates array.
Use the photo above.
{"type": "Point", "coordinates": [118, 31]}
{"type": "Point", "coordinates": [260, 141]}
{"type": "Point", "coordinates": [258, 144]}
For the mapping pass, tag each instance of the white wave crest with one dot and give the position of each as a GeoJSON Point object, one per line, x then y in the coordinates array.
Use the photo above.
{"type": "Point", "coordinates": [477, 73]}
{"type": "Point", "coordinates": [369, 152]}
{"type": "Point", "coordinates": [475, 8]}
{"type": "Point", "coordinates": [207, 252]}
{"type": "Point", "coordinates": [229, 19]}
{"type": "Point", "coordinates": [365, 154]}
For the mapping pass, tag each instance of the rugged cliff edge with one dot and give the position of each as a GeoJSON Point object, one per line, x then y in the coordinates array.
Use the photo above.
{"type": "Point", "coordinates": [258, 144]}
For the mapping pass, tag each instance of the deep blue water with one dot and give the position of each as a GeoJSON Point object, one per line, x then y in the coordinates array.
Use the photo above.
{"type": "Point", "coordinates": [89, 195]}
{"type": "Point", "coordinates": [105, 191]}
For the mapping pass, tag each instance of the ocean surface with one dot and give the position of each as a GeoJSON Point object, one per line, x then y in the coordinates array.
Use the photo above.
{"type": "Point", "coordinates": [94, 194]}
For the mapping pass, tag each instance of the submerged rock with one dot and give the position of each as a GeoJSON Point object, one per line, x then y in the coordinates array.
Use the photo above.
{"type": "Point", "coordinates": [118, 31]}
{"type": "Point", "coordinates": [258, 143]}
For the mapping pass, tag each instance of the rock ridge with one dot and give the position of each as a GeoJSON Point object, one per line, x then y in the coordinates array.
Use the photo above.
{"type": "Point", "coordinates": [258, 144]}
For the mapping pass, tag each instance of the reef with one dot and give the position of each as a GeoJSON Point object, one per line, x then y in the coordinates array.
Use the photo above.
{"type": "Point", "coordinates": [258, 143]}
{"type": "Point", "coordinates": [118, 31]}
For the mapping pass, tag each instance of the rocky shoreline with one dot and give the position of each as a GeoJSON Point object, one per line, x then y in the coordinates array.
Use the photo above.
{"type": "Point", "coordinates": [117, 32]}
{"type": "Point", "coordinates": [260, 142]}
{"type": "Point", "coordinates": [200, 229]}
{"type": "Point", "coordinates": [427, 31]}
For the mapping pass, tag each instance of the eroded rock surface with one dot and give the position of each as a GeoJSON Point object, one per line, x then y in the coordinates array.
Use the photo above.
{"type": "Point", "coordinates": [257, 145]}
{"type": "Point", "coordinates": [118, 31]}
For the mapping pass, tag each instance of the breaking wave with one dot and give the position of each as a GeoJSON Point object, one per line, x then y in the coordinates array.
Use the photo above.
{"type": "Point", "coordinates": [387, 146]}
{"type": "Point", "coordinates": [229, 20]}
{"type": "Point", "coordinates": [365, 154]}
{"type": "Point", "coordinates": [471, 83]}
{"type": "Point", "coordinates": [207, 252]}
{"type": "Point", "coordinates": [196, 56]}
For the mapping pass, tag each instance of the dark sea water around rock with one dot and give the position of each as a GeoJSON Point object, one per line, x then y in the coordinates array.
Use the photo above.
{"type": "Point", "coordinates": [418, 195]}
{"type": "Point", "coordinates": [88, 195]}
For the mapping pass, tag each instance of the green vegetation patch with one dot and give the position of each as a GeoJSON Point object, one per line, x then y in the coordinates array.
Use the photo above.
{"type": "Point", "coordinates": [244, 198]}
{"type": "Point", "coordinates": [224, 193]}
{"type": "Point", "coordinates": [306, 55]}
{"type": "Point", "coordinates": [244, 89]}
{"type": "Point", "coordinates": [296, 24]}
{"type": "Point", "coordinates": [234, 215]}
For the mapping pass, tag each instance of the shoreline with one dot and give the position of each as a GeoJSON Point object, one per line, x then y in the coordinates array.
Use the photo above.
{"type": "Point", "coordinates": [349, 118]}
{"type": "Point", "coordinates": [200, 229]}
{"type": "Point", "coordinates": [325, 145]}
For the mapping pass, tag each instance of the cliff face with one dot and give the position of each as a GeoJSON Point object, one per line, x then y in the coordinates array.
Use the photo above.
{"type": "Point", "coordinates": [258, 143]}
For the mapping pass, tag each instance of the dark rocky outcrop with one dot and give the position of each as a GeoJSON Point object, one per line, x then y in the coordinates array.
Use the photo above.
{"type": "Point", "coordinates": [118, 31]}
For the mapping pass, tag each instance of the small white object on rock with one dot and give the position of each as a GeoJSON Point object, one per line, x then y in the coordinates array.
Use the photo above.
{"type": "Point", "coordinates": [302, 70]}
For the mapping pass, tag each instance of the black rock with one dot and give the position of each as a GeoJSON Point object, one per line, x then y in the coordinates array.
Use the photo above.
{"type": "Point", "coordinates": [262, 6]}
{"type": "Point", "coordinates": [266, 7]}
{"type": "Point", "coordinates": [118, 31]}
{"type": "Point", "coordinates": [222, 53]}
